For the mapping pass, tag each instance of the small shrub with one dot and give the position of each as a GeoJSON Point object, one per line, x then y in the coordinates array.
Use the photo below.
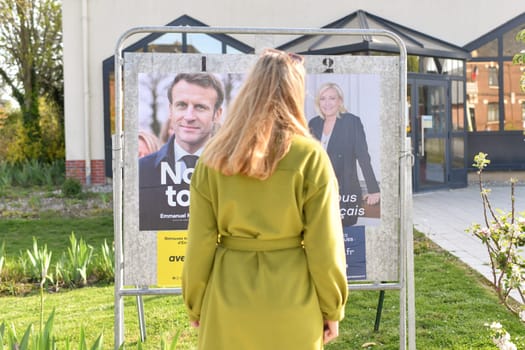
{"type": "Point", "coordinates": [40, 259]}
{"type": "Point", "coordinates": [34, 202]}
{"type": "Point", "coordinates": [12, 274]}
{"type": "Point", "coordinates": [5, 176]}
{"type": "Point", "coordinates": [22, 175]}
{"type": "Point", "coordinates": [80, 266]}
{"type": "Point", "coordinates": [503, 235]}
{"type": "Point", "coordinates": [22, 269]}
{"type": "Point", "coordinates": [80, 255]}
{"type": "Point", "coordinates": [57, 274]}
{"type": "Point", "coordinates": [18, 142]}
{"type": "Point", "coordinates": [104, 263]}
{"type": "Point", "coordinates": [31, 173]}
{"type": "Point", "coordinates": [106, 197]}
{"type": "Point", "coordinates": [71, 188]}
{"type": "Point", "coordinates": [55, 173]}
{"type": "Point", "coordinates": [13, 138]}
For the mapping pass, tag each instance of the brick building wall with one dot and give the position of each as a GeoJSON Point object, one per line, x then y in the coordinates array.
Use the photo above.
{"type": "Point", "coordinates": [76, 169]}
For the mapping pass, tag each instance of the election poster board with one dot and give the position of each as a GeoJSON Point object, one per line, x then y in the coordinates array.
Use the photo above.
{"type": "Point", "coordinates": [156, 203]}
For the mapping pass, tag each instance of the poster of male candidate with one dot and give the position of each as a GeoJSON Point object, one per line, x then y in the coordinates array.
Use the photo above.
{"type": "Point", "coordinates": [177, 123]}
{"type": "Point", "coordinates": [178, 113]}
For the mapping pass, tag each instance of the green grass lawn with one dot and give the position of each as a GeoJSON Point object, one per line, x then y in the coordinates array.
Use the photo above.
{"type": "Point", "coordinates": [54, 232]}
{"type": "Point", "coordinates": [453, 303]}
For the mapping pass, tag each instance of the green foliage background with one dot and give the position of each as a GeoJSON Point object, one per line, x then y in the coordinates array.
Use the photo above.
{"type": "Point", "coordinates": [15, 145]}
{"type": "Point", "coordinates": [31, 72]}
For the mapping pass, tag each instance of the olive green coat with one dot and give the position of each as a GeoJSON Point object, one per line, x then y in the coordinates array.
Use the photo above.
{"type": "Point", "coordinates": [279, 268]}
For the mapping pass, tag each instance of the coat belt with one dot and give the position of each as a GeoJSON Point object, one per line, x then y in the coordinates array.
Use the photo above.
{"type": "Point", "coordinates": [259, 245]}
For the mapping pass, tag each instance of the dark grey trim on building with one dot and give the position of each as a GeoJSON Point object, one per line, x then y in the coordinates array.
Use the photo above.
{"type": "Point", "coordinates": [416, 43]}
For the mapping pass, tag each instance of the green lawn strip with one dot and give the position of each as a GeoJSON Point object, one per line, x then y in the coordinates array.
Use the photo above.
{"type": "Point", "coordinates": [453, 304]}
{"type": "Point", "coordinates": [54, 232]}
{"type": "Point", "coordinates": [92, 308]}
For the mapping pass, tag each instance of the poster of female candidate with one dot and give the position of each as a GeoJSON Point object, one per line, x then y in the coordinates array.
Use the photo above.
{"type": "Point", "coordinates": [343, 115]}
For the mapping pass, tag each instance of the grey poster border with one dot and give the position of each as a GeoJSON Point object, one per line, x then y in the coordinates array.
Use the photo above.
{"type": "Point", "coordinates": [404, 217]}
{"type": "Point", "coordinates": [382, 242]}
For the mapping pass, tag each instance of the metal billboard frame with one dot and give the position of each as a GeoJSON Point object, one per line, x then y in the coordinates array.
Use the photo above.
{"type": "Point", "coordinates": [406, 266]}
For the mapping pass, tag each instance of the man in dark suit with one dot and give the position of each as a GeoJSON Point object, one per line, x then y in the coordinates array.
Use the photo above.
{"type": "Point", "coordinates": [195, 101]}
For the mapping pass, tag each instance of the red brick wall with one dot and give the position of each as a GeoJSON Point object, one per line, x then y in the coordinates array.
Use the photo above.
{"type": "Point", "coordinates": [77, 169]}
{"type": "Point", "coordinates": [98, 172]}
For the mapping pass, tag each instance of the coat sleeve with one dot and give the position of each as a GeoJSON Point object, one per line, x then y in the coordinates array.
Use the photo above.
{"type": "Point", "coordinates": [202, 243]}
{"type": "Point", "coordinates": [324, 243]}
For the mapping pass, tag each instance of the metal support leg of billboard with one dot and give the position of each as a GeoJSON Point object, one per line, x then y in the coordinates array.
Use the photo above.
{"type": "Point", "coordinates": [406, 280]}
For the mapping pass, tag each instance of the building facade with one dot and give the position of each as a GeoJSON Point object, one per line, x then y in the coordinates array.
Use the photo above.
{"type": "Point", "coordinates": [459, 69]}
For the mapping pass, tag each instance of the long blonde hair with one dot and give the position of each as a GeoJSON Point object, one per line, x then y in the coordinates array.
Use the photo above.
{"type": "Point", "coordinates": [262, 119]}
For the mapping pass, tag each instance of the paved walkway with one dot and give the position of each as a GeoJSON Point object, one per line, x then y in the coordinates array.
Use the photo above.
{"type": "Point", "coordinates": [444, 215]}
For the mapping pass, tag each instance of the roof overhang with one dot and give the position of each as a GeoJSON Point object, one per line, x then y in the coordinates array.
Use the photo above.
{"type": "Point", "coordinates": [416, 43]}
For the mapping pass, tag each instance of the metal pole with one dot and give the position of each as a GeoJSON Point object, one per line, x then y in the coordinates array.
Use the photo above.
{"type": "Point", "coordinates": [118, 164]}
{"type": "Point", "coordinates": [379, 309]}
{"type": "Point", "coordinates": [142, 321]}
{"type": "Point", "coordinates": [411, 300]}
{"type": "Point", "coordinates": [117, 219]}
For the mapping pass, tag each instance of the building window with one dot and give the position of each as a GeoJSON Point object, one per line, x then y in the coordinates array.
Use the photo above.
{"type": "Point", "coordinates": [488, 117]}
{"type": "Point", "coordinates": [435, 65]}
{"type": "Point", "coordinates": [523, 115]}
{"type": "Point", "coordinates": [471, 119]}
{"type": "Point", "coordinates": [492, 121]}
{"type": "Point", "coordinates": [493, 112]}
{"type": "Point", "coordinates": [457, 99]}
{"type": "Point", "coordinates": [493, 76]}
{"type": "Point", "coordinates": [482, 98]}
{"type": "Point", "coordinates": [512, 96]}
{"type": "Point", "coordinates": [494, 95]}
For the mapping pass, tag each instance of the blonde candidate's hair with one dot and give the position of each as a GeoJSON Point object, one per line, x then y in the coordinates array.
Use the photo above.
{"type": "Point", "coordinates": [151, 141]}
{"type": "Point", "coordinates": [266, 113]}
{"type": "Point", "coordinates": [323, 88]}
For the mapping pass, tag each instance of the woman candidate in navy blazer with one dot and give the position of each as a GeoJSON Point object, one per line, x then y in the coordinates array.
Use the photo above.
{"type": "Point", "coordinates": [342, 136]}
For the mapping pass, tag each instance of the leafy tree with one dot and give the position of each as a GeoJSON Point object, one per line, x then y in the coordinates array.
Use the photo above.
{"type": "Point", "coordinates": [31, 63]}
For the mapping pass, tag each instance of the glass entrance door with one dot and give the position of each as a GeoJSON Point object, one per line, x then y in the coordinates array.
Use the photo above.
{"type": "Point", "coordinates": [429, 113]}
